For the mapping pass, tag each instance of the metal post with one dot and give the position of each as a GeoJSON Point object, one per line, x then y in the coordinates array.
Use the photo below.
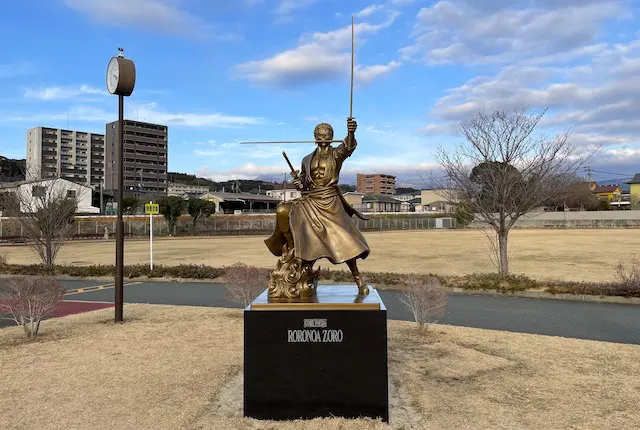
{"type": "Point", "coordinates": [119, 281]}
{"type": "Point", "coordinates": [151, 241]}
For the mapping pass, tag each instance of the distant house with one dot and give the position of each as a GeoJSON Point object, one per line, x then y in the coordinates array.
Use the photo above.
{"type": "Point", "coordinates": [380, 203]}
{"type": "Point", "coordinates": [440, 206]}
{"type": "Point", "coordinates": [229, 203]}
{"type": "Point", "coordinates": [634, 185]}
{"type": "Point", "coordinates": [354, 198]}
{"type": "Point", "coordinates": [610, 192]}
{"type": "Point", "coordinates": [406, 197]}
{"type": "Point", "coordinates": [285, 195]}
{"type": "Point", "coordinates": [32, 193]}
{"type": "Point", "coordinates": [179, 190]}
{"type": "Point", "coordinates": [429, 196]}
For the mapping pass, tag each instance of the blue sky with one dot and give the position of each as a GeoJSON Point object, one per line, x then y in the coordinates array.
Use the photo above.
{"type": "Point", "coordinates": [218, 72]}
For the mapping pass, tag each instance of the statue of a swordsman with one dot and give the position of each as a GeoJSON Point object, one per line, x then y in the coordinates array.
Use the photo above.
{"type": "Point", "coordinates": [319, 224]}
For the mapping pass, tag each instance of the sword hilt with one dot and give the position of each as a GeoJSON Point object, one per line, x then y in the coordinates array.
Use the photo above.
{"type": "Point", "coordinates": [293, 171]}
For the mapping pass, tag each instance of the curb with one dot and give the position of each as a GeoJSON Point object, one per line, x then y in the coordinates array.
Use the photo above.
{"type": "Point", "coordinates": [545, 295]}
{"type": "Point", "coordinates": [452, 290]}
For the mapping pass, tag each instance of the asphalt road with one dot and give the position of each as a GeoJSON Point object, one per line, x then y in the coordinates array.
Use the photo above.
{"type": "Point", "coordinates": [583, 320]}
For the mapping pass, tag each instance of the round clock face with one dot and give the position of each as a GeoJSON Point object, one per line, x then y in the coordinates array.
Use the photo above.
{"type": "Point", "coordinates": [113, 75]}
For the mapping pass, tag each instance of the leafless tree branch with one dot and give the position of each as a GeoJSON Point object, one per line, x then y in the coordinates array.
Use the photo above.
{"type": "Point", "coordinates": [504, 169]}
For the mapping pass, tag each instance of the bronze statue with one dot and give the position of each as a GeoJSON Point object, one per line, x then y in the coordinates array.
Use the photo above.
{"type": "Point", "coordinates": [318, 224]}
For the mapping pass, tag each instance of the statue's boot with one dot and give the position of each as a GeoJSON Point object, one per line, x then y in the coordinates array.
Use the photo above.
{"type": "Point", "coordinates": [363, 290]}
{"type": "Point", "coordinates": [362, 287]}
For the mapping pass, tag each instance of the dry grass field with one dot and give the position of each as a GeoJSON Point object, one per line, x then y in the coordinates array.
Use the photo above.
{"type": "Point", "coordinates": [566, 255]}
{"type": "Point", "coordinates": [180, 368]}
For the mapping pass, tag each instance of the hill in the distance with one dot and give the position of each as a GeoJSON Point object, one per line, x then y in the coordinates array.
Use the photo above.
{"type": "Point", "coordinates": [11, 170]}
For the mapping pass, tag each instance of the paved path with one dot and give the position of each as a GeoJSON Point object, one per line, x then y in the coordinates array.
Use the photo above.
{"type": "Point", "coordinates": [583, 320]}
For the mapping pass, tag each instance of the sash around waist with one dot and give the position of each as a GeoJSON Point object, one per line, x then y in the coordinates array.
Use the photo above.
{"type": "Point", "coordinates": [323, 192]}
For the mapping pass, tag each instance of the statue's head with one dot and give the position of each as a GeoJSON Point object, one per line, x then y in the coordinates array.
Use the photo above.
{"type": "Point", "coordinates": [323, 132]}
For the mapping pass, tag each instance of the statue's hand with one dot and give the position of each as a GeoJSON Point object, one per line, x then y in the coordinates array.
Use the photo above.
{"type": "Point", "coordinates": [352, 125]}
{"type": "Point", "coordinates": [297, 181]}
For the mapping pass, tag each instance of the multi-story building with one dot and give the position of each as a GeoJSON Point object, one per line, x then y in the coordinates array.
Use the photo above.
{"type": "Point", "coordinates": [376, 184]}
{"type": "Point", "coordinates": [73, 155]}
{"type": "Point", "coordinates": [179, 190]}
{"type": "Point", "coordinates": [145, 158]}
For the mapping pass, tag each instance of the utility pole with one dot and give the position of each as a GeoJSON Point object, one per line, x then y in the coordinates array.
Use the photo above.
{"type": "Point", "coordinates": [101, 199]}
{"type": "Point", "coordinates": [284, 187]}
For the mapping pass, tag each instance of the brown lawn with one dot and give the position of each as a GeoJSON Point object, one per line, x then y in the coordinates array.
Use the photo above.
{"type": "Point", "coordinates": [568, 255]}
{"type": "Point", "coordinates": [180, 368]}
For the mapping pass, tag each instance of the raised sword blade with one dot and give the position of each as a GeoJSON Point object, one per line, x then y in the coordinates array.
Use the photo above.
{"type": "Point", "coordinates": [290, 141]}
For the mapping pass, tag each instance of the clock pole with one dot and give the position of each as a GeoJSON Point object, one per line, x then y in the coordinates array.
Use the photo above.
{"type": "Point", "coordinates": [119, 284]}
{"type": "Point", "coordinates": [121, 79]}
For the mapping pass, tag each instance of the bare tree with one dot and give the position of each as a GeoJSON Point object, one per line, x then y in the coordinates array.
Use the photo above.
{"type": "Point", "coordinates": [426, 299]}
{"type": "Point", "coordinates": [503, 170]}
{"type": "Point", "coordinates": [245, 283]}
{"type": "Point", "coordinates": [45, 210]}
{"type": "Point", "coordinates": [28, 299]}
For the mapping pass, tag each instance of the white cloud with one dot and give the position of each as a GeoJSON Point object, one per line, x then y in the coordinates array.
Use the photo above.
{"type": "Point", "coordinates": [369, 73]}
{"type": "Point", "coordinates": [207, 152]}
{"type": "Point", "coordinates": [499, 31]}
{"type": "Point", "coordinates": [147, 112]}
{"type": "Point", "coordinates": [598, 100]}
{"type": "Point", "coordinates": [159, 15]}
{"type": "Point", "coordinates": [207, 143]}
{"type": "Point", "coordinates": [62, 93]}
{"type": "Point", "coordinates": [286, 7]}
{"type": "Point", "coordinates": [348, 174]}
{"type": "Point", "coordinates": [318, 56]}
{"type": "Point", "coordinates": [369, 10]}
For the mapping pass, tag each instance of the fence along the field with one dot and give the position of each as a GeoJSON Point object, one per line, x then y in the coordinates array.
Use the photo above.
{"type": "Point", "coordinates": [95, 227]}
{"type": "Point", "coordinates": [576, 219]}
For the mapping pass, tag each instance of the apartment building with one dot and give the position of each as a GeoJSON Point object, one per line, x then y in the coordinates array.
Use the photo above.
{"type": "Point", "coordinates": [72, 155]}
{"type": "Point", "coordinates": [145, 158]}
{"type": "Point", "coordinates": [376, 184]}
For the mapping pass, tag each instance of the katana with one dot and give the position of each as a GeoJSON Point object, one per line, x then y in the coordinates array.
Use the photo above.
{"type": "Point", "coordinates": [291, 141]}
{"type": "Point", "coordinates": [350, 104]}
{"type": "Point", "coordinates": [352, 62]}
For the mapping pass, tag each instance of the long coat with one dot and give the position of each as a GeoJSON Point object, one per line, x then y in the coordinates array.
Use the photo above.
{"type": "Point", "coordinates": [320, 220]}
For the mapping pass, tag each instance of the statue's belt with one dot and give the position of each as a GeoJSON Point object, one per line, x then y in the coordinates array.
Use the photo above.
{"type": "Point", "coordinates": [323, 192]}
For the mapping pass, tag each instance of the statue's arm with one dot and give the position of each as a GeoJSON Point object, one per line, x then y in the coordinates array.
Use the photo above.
{"type": "Point", "coordinates": [349, 143]}
{"type": "Point", "coordinates": [346, 148]}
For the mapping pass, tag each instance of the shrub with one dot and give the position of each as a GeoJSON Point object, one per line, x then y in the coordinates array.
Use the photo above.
{"type": "Point", "coordinates": [28, 299]}
{"type": "Point", "coordinates": [245, 283]}
{"type": "Point", "coordinates": [3, 259]}
{"type": "Point", "coordinates": [425, 298]}
{"type": "Point", "coordinates": [495, 281]}
{"type": "Point", "coordinates": [628, 278]}
{"type": "Point", "coordinates": [585, 288]}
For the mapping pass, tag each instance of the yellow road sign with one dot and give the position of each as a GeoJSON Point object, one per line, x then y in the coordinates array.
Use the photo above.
{"type": "Point", "coordinates": [151, 208]}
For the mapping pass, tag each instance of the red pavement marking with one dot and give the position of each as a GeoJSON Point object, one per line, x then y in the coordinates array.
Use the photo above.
{"type": "Point", "coordinates": [70, 307]}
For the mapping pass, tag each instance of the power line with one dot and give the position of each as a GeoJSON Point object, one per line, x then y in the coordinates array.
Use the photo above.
{"type": "Point", "coordinates": [614, 173]}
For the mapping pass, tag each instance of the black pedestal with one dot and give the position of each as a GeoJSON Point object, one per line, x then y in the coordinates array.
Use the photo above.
{"type": "Point", "coordinates": [308, 360]}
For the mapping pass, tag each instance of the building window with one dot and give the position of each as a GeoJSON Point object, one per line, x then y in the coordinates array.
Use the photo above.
{"type": "Point", "coordinates": [71, 194]}
{"type": "Point", "coordinates": [38, 191]}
